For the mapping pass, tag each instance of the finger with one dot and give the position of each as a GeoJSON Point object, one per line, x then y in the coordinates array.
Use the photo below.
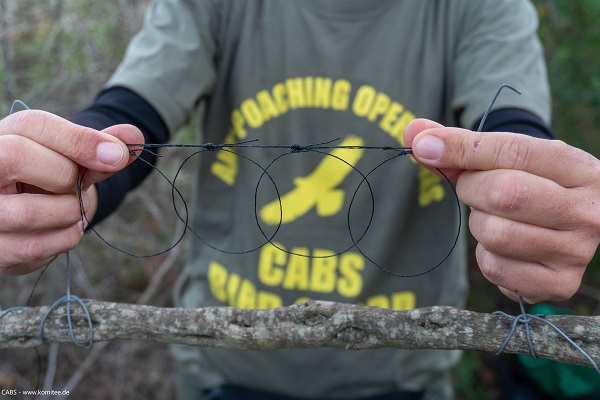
{"type": "Point", "coordinates": [98, 151]}
{"type": "Point", "coordinates": [533, 281]}
{"type": "Point", "coordinates": [523, 197]}
{"type": "Point", "coordinates": [32, 212]}
{"type": "Point", "coordinates": [415, 127]}
{"type": "Point", "coordinates": [517, 240]}
{"type": "Point", "coordinates": [22, 269]}
{"type": "Point", "coordinates": [513, 296]}
{"type": "Point", "coordinates": [412, 130]}
{"type": "Point", "coordinates": [125, 135]}
{"type": "Point", "coordinates": [25, 161]}
{"type": "Point", "coordinates": [36, 247]}
{"type": "Point", "coordinates": [455, 149]}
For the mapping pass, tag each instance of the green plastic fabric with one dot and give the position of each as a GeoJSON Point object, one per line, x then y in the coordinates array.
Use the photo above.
{"type": "Point", "coordinates": [556, 379]}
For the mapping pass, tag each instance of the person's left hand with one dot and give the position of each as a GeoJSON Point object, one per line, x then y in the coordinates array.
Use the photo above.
{"type": "Point", "coordinates": [535, 204]}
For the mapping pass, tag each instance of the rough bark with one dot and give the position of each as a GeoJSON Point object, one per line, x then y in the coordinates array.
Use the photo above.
{"type": "Point", "coordinates": [308, 325]}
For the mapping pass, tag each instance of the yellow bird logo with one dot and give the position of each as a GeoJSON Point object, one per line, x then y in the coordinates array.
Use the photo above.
{"type": "Point", "coordinates": [318, 189]}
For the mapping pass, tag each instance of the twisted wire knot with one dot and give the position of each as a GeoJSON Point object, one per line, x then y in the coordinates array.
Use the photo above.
{"type": "Point", "coordinates": [212, 147]}
{"type": "Point", "coordinates": [296, 148]}
{"type": "Point", "coordinates": [525, 318]}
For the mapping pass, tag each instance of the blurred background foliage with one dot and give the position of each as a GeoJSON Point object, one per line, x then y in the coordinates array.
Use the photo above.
{"type": "Point", "coordinates": [57, 54]}
{"type": "Point", "coordinates": [570, 33]}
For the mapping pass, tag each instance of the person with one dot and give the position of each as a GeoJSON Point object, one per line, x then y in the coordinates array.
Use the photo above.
{"type": "Point", "coordinates": [307, 72]}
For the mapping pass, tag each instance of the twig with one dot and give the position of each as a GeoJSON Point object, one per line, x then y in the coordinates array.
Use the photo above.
{"type": "Point", "coordinates": [308, 325]}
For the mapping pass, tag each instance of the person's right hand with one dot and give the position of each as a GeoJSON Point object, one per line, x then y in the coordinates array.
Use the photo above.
{"type": "Point", "coordinates": [42, 157]}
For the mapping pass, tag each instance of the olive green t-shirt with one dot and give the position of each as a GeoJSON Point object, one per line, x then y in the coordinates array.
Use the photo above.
{"type": "Point", "coordinates": [310, 71]}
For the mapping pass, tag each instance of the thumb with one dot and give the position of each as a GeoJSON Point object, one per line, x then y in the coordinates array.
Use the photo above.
{"type": "Point", "coordinates": [126, 134]}
{"type": "Point", "coordinates": [454, 150]}
{"type": "Point", "coordinates": [417, 126]}
{"type": "Point", "coordinates": [424, 137]}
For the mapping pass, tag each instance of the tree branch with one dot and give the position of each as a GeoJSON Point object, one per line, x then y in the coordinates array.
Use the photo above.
{"type": "Point", "coordinates": [308, 325]}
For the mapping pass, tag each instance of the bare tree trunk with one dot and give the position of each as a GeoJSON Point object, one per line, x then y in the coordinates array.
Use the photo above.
{"type": "Point", "coordinates": [308, 325]}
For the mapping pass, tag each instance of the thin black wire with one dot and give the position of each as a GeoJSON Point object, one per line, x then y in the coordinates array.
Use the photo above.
{"type": "Point", "coordinates": [295, 148]}
{"type": "Point", "coordinates": [292, 149]}
{"type": "Point", "coordinates": [298, 149]}
{"type": "Point", "coordinates": [523, 318]}
{"type": "Point", "coordinates": [212, 147]}
{"type": "Point", "coordinates": [174, 190]}
{"type": "Point", "coordinates": [15, 104]}
{"type": "Point", "coordinates": [487, 111]}
{"type": "Point", "coordinates": [430, 269]}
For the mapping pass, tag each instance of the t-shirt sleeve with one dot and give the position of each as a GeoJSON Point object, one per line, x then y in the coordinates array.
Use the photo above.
{"type": "Point", "coordinates": [498, 44]}
{"type": "Point", "coordinates": [171, 62]}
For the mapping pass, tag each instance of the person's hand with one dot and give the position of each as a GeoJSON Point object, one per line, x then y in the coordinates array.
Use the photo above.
{"type": "Point", "coordinates": [535, 204]}
{"type": "Point", "coordinates": [42, 157]}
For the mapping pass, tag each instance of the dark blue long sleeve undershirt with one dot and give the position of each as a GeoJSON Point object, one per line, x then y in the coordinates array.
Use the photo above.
{"type": "Point", "coordinates": [119, 105]}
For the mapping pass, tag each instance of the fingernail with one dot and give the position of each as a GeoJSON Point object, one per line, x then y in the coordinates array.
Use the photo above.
{"type": "Point", "coordinates": [430, 148]}
{"type": "Point", "coordinates": [109, 153]}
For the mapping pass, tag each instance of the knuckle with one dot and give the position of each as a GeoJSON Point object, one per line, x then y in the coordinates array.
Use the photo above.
{"type": "Point", "coordinates": [81, 144]}
{"type": "Point", "coordinates": [464, 159]}
{"type": "Point", "coordinates": [40, 246]}
{"type": "Point", "coordinates": [579, 246]}
{"type": "Point", "coordinates": [490, 269]}
{"type": "Point", "coordinates": [77, 148]}
{"type": "Point", "coordinates": [34, 249]}
{"type": "Point", "coordinates": [477, 224]}
{"type": "Point", "coordinates": [564, 279]}
{"type": "Point", "coordinates": [18, 120]}
{"type": "Point", "coordinates": [70, 212]}
{"type": "Point", "coordinates": [72, 238]}
{"type": "Point", "coordinates": [30, 121]}
{"type": "Point", "coordinates": [581, 251]}
{"type": "Point", "coordinates": [591, 217]}
{"type": "Point", "coordinates": [586, 253]}
{"type": "Point", "coordinates": [42, 127]}
{"type": "Point", "coordinates": [489, 272]}
{"type": "Point", "coordinates": [492, 235]}
{"type": "Point", "coordinates": [563, 151]}
{"type": "Point", "coordinates": [68, 175]}
{"type": "Point", "coordinates": [21, 217]}
{"type": "Point", "coordinates": [514, 153]}
{"type": "Point", "coordinates": [568, 287]}
{"type": "Point", "coordinates": [506, 194]}
{"type": "Point", "coordinates": [11, 152]}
